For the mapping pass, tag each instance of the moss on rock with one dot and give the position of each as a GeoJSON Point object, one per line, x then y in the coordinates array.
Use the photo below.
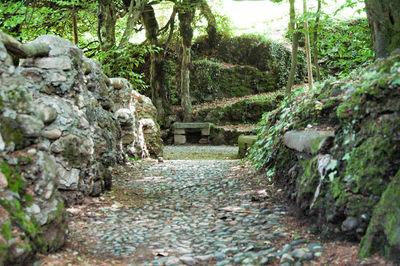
{"type": "Point", "coordinates": [383, 233]}
{"type": "Point", "coordinates": [11, 132]}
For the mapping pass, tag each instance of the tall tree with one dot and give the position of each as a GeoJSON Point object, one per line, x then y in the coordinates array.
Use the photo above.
{"type": "Point", "coordinates": [135, 9]}
{"type": "Point", "coordinates": [186, 13]}
{"type": "Point", "coordinates": [107, 19]}
{"type": "Point", "coordinates": [295, 46]}
{"type": "Point", "coordinates": [159, 92]}
{"type": "Point", "coordinates": [308, 49]}
{"type": "Point", "coordinates": [384, 19]}
{"type": "Point", "coordinates": [315, 40]}
{"type": "Point", "coordinates": [211, 22]}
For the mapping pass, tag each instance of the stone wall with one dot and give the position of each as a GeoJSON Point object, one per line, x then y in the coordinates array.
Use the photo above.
{"type": "Point", "coordinates": [60, 133]}
{"type": "Point", "coordinates": [336, 153]}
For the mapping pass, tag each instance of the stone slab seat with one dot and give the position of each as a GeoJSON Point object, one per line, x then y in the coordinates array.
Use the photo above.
{"type": "Point", "coordinates": [244, 143]}
{"type": "Point", "coordinates": [181, 127]}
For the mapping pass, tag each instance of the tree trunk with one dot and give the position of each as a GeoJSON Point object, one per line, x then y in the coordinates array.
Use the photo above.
{"type": "Point", "coordinates": [384, 20]}
{"type": "Point", "coordinates": [75, 27]}
{"type": "Point", "coordinates": [159, 94]}
{"type": "Point", "coordinates": [106, 19]}
{"type": "Point", "coordinates": [212, 23]}
{"type": "Point", "coordinates": [315, 39]}
{"type": "Point", "coordinates": [295, 47]}
{"type": "Point", "coordinates": [186, 15]}
{"type": "Point", "coordinates": [134, 13]}
{"type": "Point", "coordinates": [308, 50]}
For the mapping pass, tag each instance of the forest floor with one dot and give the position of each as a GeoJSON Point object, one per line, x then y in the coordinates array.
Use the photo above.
{"type": "Point", "coordinates": [186, 211]}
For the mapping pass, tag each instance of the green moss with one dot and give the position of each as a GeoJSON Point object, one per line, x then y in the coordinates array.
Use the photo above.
{"type": "Point", "coordinates": [28, 200]}
{"type": "Point", "coordinates": [1, 103]}
{"type": "Point", "coordinates": [6, 230]}
{"type": "Point", "coordinates": [315, 144]}
{"type": "Point", "coordinates": [307, 183]}
{"type": "Point", "coordinates": [15, 182]}
{"type": "Point", "coordinates": [383, 233]}
{"type": "Point", "coordinates": [24, 160]}
{"type": "Point", "coordinates": [369, 163]}
{"type": "Point", "coordinates": [11, 132]}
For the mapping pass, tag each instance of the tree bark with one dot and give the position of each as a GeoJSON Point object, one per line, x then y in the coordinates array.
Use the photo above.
{"type": "Point", "coordinates": [212, 23]}
{"type": "Point", "coordinates": [384, 20]}
{"type": "Point", "coordinates": [308, 50]}
{"type": "Point", "coordinates": [134, 13]}
{"type": "Point", "coordinates": [159, 94]}
{"type": "Point", "coordinates": [186, 15]}
{"type": "Point", "coordinates": [315, 39]}
{"type": "Point", "coordinates": [295, 47]}
{"type": "Point", "coordinates": [106, 19]}
{"type": "Point", "coordinates": [75, 27]}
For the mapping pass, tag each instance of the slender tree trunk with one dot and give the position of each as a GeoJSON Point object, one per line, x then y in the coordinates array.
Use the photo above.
{"type": "Point", "coordinates": [315, 39]}
{"type": "Point", "coordinates": [159, 94]}
{"type": "Point", "coordinates": [212, 23]}
{"type": "Point", "coordinates": [106, 19]}
{"type": "Point", "coordinates": [186, 15]}
{"type": "Point", "coordinates": [134, 13]}
{"type": "Point", "coordinates": [75, 27]}
{"type": "Point", "coordinates": [384, 20]}
{"type": "Point", "coordinates": [308, 50]}
{"type": "Point", "coordinates": [295, 47]}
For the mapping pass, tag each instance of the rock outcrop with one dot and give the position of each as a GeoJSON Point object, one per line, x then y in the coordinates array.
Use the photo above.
{"type": "Point", "coordinates": [60, 134]}
{"type": "Point", "coordinates": [349, 181]}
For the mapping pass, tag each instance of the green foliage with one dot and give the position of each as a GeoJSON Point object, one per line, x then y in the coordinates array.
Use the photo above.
{"type": "Point", "coordinates": [26, 20]}
{"type": "Point", "coordinates": [120, 62]}
{"type": "Point", "coordinates": [344, 46]}
{"type": "Point", "coordinates": [274, 124]}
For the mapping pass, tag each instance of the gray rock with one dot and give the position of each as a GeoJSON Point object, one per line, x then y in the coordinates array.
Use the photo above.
{"type": "Point", "coordinates": [315, 247]}
{"type": "Point", "coordinates": [48, 114]}
{"type": "Point", "coordinates": [286, 258]}
{"type": "Point", "coordinates": [264, 261]}
{"type": "Point", "coordinates": [69, 180]}
{"type": "Point", "coordinates": [302, 254]}
{"type": "Point", "coordinates": [30, 125]}
{"type": "Point", "coordinates": [286, 249]}
{"type": "Point", "coordinates": [187, 260]}
{"type": "Point", "coordinates": [297, 242]}
{"type": "Point", "coordinates": [3, 181]}
{"type": "Point", "coordinates": [219, 256]}
{"type": "Point", "coordinates": [61, 63]}
{"type": "Point", "coordinates": [350, 224]}
{"type": "Point", "coordinates": [301, 141]}
{"type": "Point", "coordinates": [204, 258]}
{"type": "Point", "coordinates": [52, 134]}
{"type": "Point", "coordinates": [2, 143]}
{"type": "Point", "coordinates": [172, 261]}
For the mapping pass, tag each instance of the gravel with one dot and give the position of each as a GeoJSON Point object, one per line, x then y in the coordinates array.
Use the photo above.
{"type": "Point", "coordinates": [194, 213]}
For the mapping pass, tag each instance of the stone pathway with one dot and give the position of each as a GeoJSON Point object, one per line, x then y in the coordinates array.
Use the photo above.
{"type": "Point", "coordinates": [186, 212]}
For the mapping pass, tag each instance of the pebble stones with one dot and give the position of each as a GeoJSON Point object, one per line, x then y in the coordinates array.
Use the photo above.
{"type": "Point", "coordinates": [193, 215]}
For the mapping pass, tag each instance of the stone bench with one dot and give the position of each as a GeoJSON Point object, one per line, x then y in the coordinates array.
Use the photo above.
{"type": "Point", "coordinates": [181, 130]}
{"type": "Point", "coordinates": [307, 141]}
{"type": "Point", "coordinates": [244, 143]}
